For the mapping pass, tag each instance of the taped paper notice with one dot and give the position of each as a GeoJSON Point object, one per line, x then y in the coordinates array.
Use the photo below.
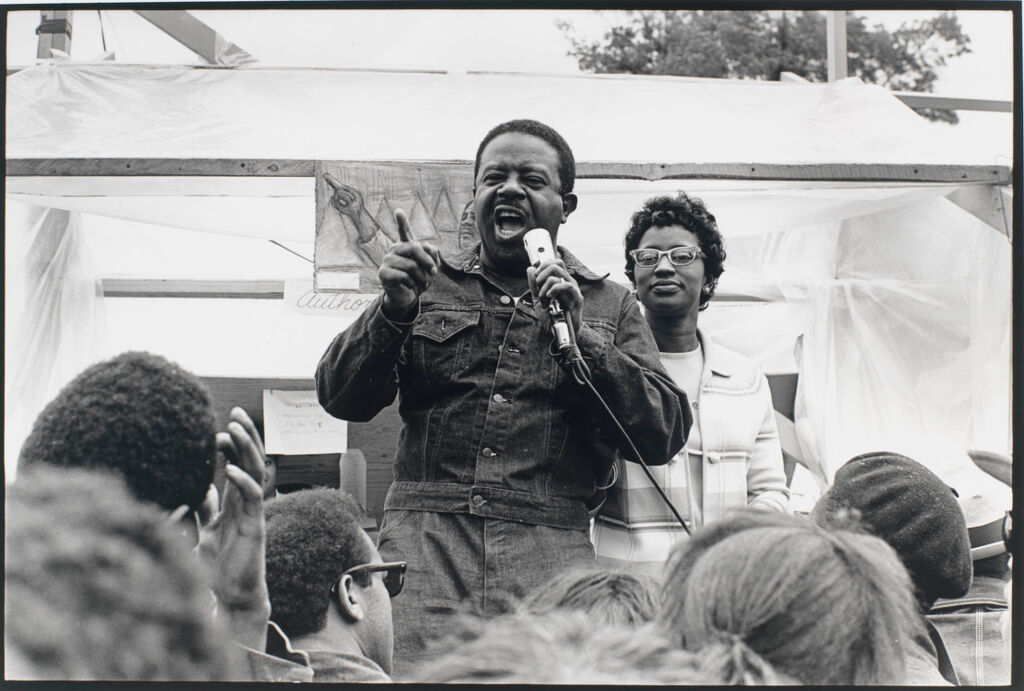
{"type": "Point", "coordinates": [294, 423]}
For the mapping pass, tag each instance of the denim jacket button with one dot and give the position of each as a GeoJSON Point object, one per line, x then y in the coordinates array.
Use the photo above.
{"type": "Point", "coordinates": [487, 453]}
{"type": "Point", "coordinates": [498, 398]}
{"type": "Point", "coordinates": [477, 500]}
{"type": "Point", "coordinates": [505, 299]}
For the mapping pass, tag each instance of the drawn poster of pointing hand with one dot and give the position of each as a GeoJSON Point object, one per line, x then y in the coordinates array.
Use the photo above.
{"type": "Point", "coordinates": [355, 216]}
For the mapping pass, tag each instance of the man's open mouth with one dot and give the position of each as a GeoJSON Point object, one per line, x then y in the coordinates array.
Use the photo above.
{"type": "Point", "coordinates": [508, 222]}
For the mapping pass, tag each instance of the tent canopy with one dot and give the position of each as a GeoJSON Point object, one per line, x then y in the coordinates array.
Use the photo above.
{"type": "Point", "coordinates": [871, 251]}
{"type": "Point", "coordinates": [103, 110]}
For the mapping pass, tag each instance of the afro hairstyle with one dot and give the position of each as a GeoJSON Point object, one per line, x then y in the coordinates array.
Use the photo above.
{"type": "Point", "coordinates": [140, 415]}
{"type": "Point", "coordinates": [313, 536]}
{"type": "Point", "coordinates": [100, 587]}
{"type": "Point", "coordinates": [566, 161]}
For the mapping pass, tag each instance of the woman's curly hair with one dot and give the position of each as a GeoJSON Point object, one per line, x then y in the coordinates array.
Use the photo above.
{"type": "Point", "coordinates": [690, 213]}
{"type": "Point", "coordinates": [313, 536]}
{"type": "Point", "coordinates": [137, 414]}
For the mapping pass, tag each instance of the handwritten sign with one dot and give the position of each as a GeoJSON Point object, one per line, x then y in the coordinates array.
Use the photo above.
{"type": "Point", "coordinates": [300, 298]}
{"type": "Point", "coordinates": [294, 423]}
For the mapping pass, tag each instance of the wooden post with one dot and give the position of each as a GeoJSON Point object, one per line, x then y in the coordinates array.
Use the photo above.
{"type": "Point", "coordinates": [54, 31]}
{"type": "Point", "coordinates": [835, 28]}
{"type": "Point", "coordinates": [198, 37]}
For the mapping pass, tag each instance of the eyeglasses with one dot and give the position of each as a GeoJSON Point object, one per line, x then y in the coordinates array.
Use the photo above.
{"type": "Point", "coordinates": [680, 256]}
{"type": "Point", "coordinates": [394, 575]}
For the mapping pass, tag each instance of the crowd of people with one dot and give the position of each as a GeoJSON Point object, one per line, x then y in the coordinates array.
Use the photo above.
{"type": "Point", "coordinates": [614, 510]}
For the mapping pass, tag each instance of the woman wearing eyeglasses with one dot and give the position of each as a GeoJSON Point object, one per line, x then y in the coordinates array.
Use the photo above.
{"type": "Point", "coordinates": [732, 458]}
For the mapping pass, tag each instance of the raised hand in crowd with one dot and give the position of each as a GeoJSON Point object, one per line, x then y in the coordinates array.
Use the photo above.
{"type": "Point", "coordinates": [233, 542]}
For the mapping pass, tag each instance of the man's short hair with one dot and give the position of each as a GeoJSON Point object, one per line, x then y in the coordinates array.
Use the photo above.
{"type": "Point", "coordinates": [139, 415]}
{"type": "Point", "coordinates": [313, 536]}
{"type": "Point", "coordinates": [823, 606]}
{"type": "Point", "coordinates": [100, 587]}
{"type": "Point", "coordinates": [614, 597]}
{"type": "Point", "coordinates": [686, 211]}
{"type": "Point", "coordinates": [566, 647]}
{"type": "Point", "coordinates": [566, 161]}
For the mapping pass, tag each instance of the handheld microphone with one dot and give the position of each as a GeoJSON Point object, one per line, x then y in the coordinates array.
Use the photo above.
{"type": "Point", "coordinates": [541, 251]}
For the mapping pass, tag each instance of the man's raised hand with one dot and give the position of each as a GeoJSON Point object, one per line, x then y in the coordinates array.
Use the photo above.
{"type": "Point", "coordinates": [406, 271]}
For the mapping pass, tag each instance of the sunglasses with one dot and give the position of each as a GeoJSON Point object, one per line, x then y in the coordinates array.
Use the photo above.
{"type": "Point", "coordinates": [394, 575]}
{"type": "Point", "coordinates": [679, 256]}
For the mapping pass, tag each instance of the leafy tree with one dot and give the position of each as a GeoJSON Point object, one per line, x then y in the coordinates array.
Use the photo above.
{"type": "Point", "coordinates": [762, 44]}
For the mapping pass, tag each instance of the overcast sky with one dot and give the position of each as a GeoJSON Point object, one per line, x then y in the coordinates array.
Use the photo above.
{"type": "Point", "coordinates": [460, 40]}
{"type": "Point", "coordinates": [502, 40]}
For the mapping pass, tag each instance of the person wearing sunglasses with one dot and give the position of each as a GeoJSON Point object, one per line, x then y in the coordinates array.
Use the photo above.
{"type": "Point", "coordinates": [732, 458]}
{"type": "Point", "coordinates": [330, 592]}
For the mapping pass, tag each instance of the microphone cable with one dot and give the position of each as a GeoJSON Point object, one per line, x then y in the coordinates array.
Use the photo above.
{"type": "Point", "coordinates": [573, 359]}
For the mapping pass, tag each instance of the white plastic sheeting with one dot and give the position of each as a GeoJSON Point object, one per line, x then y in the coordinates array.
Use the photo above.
{"type": "Point", "coordinates": [109, 110]}
{"type": "Point", "coordinates": [891, 302]}
{"type": "Point", "coordinates": [54, 319]}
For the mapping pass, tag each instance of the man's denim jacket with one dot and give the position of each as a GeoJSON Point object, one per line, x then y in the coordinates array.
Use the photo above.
{"type": "Point", "coordinates": [493, 425]}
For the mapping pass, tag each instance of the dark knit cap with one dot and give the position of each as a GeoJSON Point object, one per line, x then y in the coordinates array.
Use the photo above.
{"type": "Point", "coordinates": [908, 506]}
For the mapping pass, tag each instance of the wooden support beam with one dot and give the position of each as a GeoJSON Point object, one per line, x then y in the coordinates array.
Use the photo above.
{"type": "Point", "coordinates": [251, 289]}
{"type": "Point", "coordinates": [157, 167]}
{"type": "Point", "coordinates": [197, 37]}
{"type": "Point", "coordinates": [993, 205]}
{"type": "Point", "coordinates": [918, 100]}
{"type": "Point", "coordinates": [188, 288]}
{"type": "Point", "coordinates": [833, 172]}
{"type": "Point", "coordinates": [835, 42]}
{"type": "Point", "coordinates": [54, 32]}
{"type": "Point", "coordinates": [838, 172]}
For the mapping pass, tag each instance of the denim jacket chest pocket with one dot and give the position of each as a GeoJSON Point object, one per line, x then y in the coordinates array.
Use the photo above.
{"type": "Point", "coordinates": [440, 340]}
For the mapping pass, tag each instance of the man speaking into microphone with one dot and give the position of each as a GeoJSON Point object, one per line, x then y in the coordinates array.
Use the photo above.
{"type": "Point", "coordinates": [501, 448]}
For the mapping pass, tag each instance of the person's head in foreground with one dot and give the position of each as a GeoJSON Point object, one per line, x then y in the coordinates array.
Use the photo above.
{"type": "Point", "coordinates": [523, 178]}
{"type": "Point", "coordinates": [100, 587]}
{"type": "Point", "coordinates": [328, 589]}
{"type": "Point", "coordinates": [571, 647]}
{"type": "Point", "coordinates": [674, 255]}
{"type": "Point", "coordinates": [613, 597]}
{"type": "Point", "coordinates": [139, 415]}
{"type": "Point", "coordinates": [822, 606]}
{"type": "Point", "coordinates": [916, 513]}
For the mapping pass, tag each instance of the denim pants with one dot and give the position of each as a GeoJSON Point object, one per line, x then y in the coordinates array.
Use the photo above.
{"type": "Point", "coordinates": [970, 629]}
{"type": "Point", "coordinates": [461, 561]}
